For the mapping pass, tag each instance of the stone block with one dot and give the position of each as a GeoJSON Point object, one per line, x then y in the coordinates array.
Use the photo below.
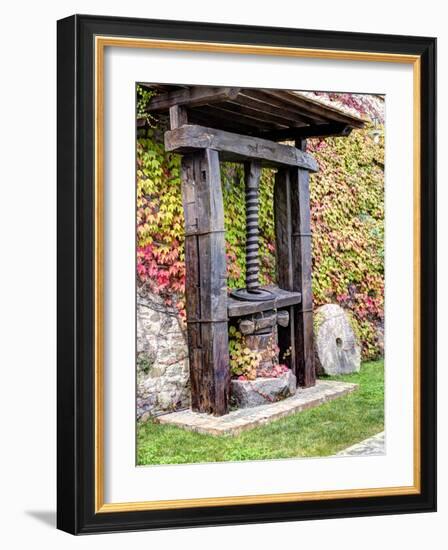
{"type": "Point", "coordinates": [252, 393]}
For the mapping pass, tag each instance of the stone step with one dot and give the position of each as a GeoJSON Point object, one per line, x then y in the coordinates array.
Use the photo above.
{"type": "Point", "coordinates": [240, 420]}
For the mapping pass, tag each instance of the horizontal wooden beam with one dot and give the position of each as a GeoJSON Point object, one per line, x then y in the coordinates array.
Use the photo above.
{"type": "Point", "coordinates": [191, 97]}
{"type": "Point", "coordinates": [280, 298]}
{"type": "Point", "coordinates": [321, 130]}
{"type": "Point", "coordinates": [237, 148]}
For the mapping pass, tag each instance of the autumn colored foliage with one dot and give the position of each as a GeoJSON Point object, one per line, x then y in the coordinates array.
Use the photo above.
{"type": "Point", "coordinates": [347, 222]}
{"type": "Point", "coordinates": [347, 209]}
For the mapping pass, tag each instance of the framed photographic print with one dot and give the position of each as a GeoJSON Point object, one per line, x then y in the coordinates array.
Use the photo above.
{"type": "Point", "coordinates": [246, 274]}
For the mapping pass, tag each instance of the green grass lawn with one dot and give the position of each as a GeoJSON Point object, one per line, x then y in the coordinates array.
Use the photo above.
{"type": "Point", "coordinates": [321, 431]}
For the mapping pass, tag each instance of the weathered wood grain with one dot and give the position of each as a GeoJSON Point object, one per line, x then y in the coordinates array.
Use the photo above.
{"type": "Point", "coordinates": [192, 283]}
{"type": "Point", "coordinates": [302, 262]}
{"type": "Point", "coordinates": [277, 115]}
{"type": "Point", "coordinates": [178, 116]}
{"type": "Point", "coordinates": [282, 224]}
{"type": "Point", "coordinates": [210, 117]}
{"type": "Point", "coordinates": [240, 111]}
{"type": "Point", "coordinates": [206, 282]}
{"type": "Point", "coordinates": [234, 147]}
{"type": "Point", "coordinates": [321, 130]}
{"type": "Point", "coordinates": [319, 112]}
{"type": "Point", "coordinates": [264, 98]}
{"type": "Point", "coordinates": [224, 116]}
{"type": "Point", "coordinates": [281, 299]}
{"type": "Point", "coordinates": [293, 254]}
{"type": "Point", "coordinates": [192, 97]}
{"type": "Point", "coordinates": [284, 265]}
{"type": "Point", "coordinates": [256, 101]}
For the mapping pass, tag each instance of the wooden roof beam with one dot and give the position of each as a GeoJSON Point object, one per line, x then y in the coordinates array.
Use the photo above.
{"type": "Point", "coordinates": [258, 113]}
{"type": "Point", "coordinates": [321, 113]}
{"type": "Point", "coordinates": [270, 102]}
{"type": "Point", "coordinates": [207, 117]}
{"type": "Point", "coordinates": [192, 97]}
{"type": "Point", "coordinates": [332, 114]}
{"type": "Point", "coordinates": [289, 117]}
{"type": "Point", "coordinates": [233, 111]}
{"type": "Point", "coordinates": [293, 100]}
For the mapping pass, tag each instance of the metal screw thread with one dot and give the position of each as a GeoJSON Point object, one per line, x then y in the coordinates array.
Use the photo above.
{"type": "Point", "coordinates": [252, 260]}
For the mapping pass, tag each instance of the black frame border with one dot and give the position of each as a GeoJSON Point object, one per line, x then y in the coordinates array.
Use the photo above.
{"type": "Point", "coordinates": [76, 263]}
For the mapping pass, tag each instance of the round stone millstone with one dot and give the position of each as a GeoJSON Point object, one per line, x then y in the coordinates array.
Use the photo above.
{"type": "Point", "coordinates": [338, 350]}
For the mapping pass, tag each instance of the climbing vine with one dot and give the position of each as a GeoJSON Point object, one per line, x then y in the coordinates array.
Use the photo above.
{"type": "Point", "coordinates": [347, 217]}
{"type": "Point", "coordinates": [347, 221]}
{"type": "Point", "coordinates": [243, 361]}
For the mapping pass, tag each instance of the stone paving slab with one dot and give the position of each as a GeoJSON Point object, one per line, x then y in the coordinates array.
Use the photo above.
{"type": "Point", "coordinates": [371, 446]}
{"type": "Point", "coordinates": [245, 419]}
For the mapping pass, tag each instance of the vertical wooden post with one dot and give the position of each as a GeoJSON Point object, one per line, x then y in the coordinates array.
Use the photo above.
{"type": "Point", "coordinates": [302, 262]}
{"type": "Point", "coordinates": [178, 116]}
{"type": "Point", "coordinates": [206, 282]}
{"type": "Point", "coordinates": [282, 222]}
{"type": "Point", "coordinates": [293, 249]}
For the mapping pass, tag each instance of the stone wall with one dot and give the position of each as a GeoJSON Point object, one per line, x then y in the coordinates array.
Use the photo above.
{"type": "Point", "coordinates": [162, 358]}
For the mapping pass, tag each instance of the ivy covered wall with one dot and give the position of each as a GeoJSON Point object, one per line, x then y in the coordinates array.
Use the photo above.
{"type": "Point", "coordinates": [347, 208]}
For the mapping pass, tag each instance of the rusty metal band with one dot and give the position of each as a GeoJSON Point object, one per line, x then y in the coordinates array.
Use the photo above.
{"type": "Point", "coordinates": [199, 233]}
